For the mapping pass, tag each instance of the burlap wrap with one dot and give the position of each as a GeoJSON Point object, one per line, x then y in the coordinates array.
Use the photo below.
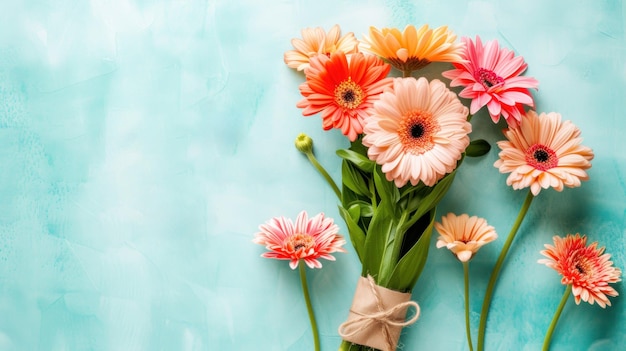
{"type": "Point", "coordinates": [377, 316]}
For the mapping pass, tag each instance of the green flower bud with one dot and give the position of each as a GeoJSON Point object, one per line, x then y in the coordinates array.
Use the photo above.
{"type": "Point", "coordinates": [304, 143]}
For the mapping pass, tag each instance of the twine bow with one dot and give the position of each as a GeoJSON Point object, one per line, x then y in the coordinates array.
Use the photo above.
{"type": "Point", "coordinates": [385, 317]}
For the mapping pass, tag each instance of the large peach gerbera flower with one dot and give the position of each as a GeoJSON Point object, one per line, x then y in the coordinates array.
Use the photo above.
{"type": "Point", "coordinates": [417, 131]}
{"type": "Point", "coordinates": [314, 42]}
{"type": "Point", "coordinates": [307, 239]}
{"type": "Point", "coordinates": [491, 77]}
{"type": "Point", "coordinates": [464, 235]}
{"type": "Point", "coordinates": [544, 152]}
{"type": "Point", "coordinates": [586, 268]}
{"type": "Point", "coordinates": [343, 90]}
{"type": "Point", "coordinates": [413, 48]}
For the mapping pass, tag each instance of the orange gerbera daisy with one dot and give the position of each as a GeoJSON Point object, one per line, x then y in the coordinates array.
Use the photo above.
{"type": "Point", "coordinates": [314, 42]}
{"type": "Point", "coordinates": [418, 131]}
{"type": "Point", "coordinates": [464, 235]}
{"type": "Point", "coordinates": [413, 48]}
{"type": "Point", "coordinates": [587, 268]}
{"type": "Point", "coordinates": [307, 239]}
{"type": "Point", "coordinates": [544, 152]}
{"type": "Point", "coordinates": [343, 90]}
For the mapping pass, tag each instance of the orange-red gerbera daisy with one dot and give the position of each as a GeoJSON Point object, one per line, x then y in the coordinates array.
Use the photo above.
{"type": "Point", "coordinates": [343, 90]}
{"type": "Point", "coordinates": [544, 152]}
{"type": "Point", "coordinates": [464, 235]}
{"type": "Point", "coordinates": [492, 77]}
{"type": "Point", "coordinates": [307, 239]}
{"type": "Point", "coordinates": [587, 268]}
{"type": "Point", "coordinates": [418, 131]}
{"type": "Point", "coordinates": [315, 41]}
{"type": "Point", "coordinates": [413, 48]}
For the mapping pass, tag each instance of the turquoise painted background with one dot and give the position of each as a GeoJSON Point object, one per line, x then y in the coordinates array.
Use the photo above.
{"type": "Point", "coordinates": [143, 142]}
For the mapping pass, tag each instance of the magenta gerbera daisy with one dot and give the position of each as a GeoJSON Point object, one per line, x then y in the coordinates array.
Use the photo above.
{"type": "Point", "coordinates": [307, 239]}
{"type": "Point", "coordinates": [492, 77]}
{"type": "Point", "coordinates": [418, 131]}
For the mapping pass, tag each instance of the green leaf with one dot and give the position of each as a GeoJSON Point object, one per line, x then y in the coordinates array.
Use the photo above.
{"type": "Point", "coordinates": [432, 199]}
{"type": "Point", "coordinates": [360, 161]}
{"type": "Point", "coordinates": [379, 240]}
{"type": "Point", "coordinates": [352, 178]}
{"type": "Point", "coordinates": [357, 235]}
{"type": "Point", "coordinates": [409, 268]}
{"type": "Point", "coordinates": [387, 190]}
{"type": "Point", "coordinates": [477, 148]}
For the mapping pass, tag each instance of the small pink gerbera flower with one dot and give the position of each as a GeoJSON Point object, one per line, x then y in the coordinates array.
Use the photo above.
{"type": "Point", "coordinates": [491, 77]}
{"type": "Point", "coordinates": [315, 41]}
{"type": "Point", "coordinates": [464, 235]}
{"type": "Point", "coordinates": [343, 90]}
{"type": "Point", "coordinates": [587, 268]}
{"type": "Point", "coordinates": [307, 239]}
{"type": "Point", "coordinates": [544, 152]}
{"type": "Point", "coordinates": [418, 131]}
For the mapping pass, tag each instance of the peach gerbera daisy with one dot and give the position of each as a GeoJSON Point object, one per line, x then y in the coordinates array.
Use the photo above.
{"type": "Point", "coordinates": [413, 48]}
{"type": "Point", "coordinates": [417, 131]}
{"type": "Point", "coordinates": [491, 77]}
{"type": "Point", "coordinates": [587, 268]}
{"type": "Point", "coordinates": [343, 90]}
{"type": "Point", "coordinates": [315, 41]}
{"type": "Point", "coordinates": [544, 152]}
{"type": "Point", "coordinates": [307, 239]}
{"type": "Point", "coordinates": [464, 235]}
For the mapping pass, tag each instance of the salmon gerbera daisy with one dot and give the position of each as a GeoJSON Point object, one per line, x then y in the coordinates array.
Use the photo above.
{"type": "Point", "coordinates": [492, 77]}
{"type": "Point", "coordinates": [413, 48]}
{"type": "Point", "coordinates": [343, 90]}
{"type": "Point", "coordinates": [418, 131]}
{"type": "Point", "coordinates": [464, 235]}
{"type": "Point", "coordinates": [587, 268]}
{"type": "Point", "coordinates": [316, 41]}
{"type": "Point", "coordinates": [544, 152]}
{"type": "Point", "coordinates": [306, 239]}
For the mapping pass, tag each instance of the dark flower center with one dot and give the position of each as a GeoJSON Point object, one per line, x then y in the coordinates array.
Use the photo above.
{"type": "Point", "coordinates": [300, 241]}
{"type": "Point", "coordinates": [488, 78]}
{"type": "Point", "coordinates": [417, 130]}
{"type": "Point", "coordinates": [541, 157]}
{"type": "Point", "coordinates": [348, 94]}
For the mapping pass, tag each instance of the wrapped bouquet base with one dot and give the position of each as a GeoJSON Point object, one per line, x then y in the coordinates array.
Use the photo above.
{"type": "Point", "coordinates": [377, 316]}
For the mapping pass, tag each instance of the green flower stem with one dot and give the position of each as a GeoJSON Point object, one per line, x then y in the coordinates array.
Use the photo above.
{"type": "Point", "coordinates": [467, 315]}
{"type": "Point", "coordinates": [323, 172]}
{"type": "Point", "coordinates": [309, 306]}
{"type": "Point", "coordinates": [406, 74]}
{"type": "Point", "coordinates": [496, 270]}
{"type": "Point", "coordinates": [557, 314]}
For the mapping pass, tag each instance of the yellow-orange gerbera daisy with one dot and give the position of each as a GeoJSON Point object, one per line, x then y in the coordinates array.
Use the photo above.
{"type": "Point", "coordinates": [315, 41]}
{"type": "Point", "coordinates": [307, 239]}
{"type": "Point", "coordinates": [587, 268]}
{"type": "Point", "coordinates": [544, 152]}
{"type": "Point", "coordinates": [464, 235]}
{"type": "Point", "coordinates": [413, 48]}
{"type": "Point", "coordinates": [418, 131]}
{"type": "Point", "coordinates": [343, 90]}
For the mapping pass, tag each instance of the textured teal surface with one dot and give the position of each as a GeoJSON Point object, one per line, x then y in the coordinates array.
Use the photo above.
{"type": "Point", "coordinates": [142, 142]}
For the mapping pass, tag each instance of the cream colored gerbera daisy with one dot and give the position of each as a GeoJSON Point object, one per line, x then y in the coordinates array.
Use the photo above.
{"type": "Point", "coordinates": [316, 41]}
{"type": "Point", "coordinates": [464, 235]}
{"type": "Point", "coordinates": [417, 131]}
{"type": "Point", "coordinates": [544, 152]}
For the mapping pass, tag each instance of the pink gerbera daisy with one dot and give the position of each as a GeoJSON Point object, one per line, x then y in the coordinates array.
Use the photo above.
{"type": "Point", "coordinates": [491, 77]}
{"type": "Point", "coordinates": [544, 152]}
{"type": "Point", "coordinates": [464, 235]}
{"type": "Point", "coordinates": [343, 90]}
{"type": "Point", "coordinates": [417, 131]}
{"type": "Point", "coordinates": [307, 239]}
{"type": "Point", "coordinates": [315, 41]}
{"type": "Point", "coordinates": [587, 268]}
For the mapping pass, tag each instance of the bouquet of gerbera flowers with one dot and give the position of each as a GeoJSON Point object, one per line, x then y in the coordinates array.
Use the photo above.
{"type": "Point", "coordinates": [408, 136]}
